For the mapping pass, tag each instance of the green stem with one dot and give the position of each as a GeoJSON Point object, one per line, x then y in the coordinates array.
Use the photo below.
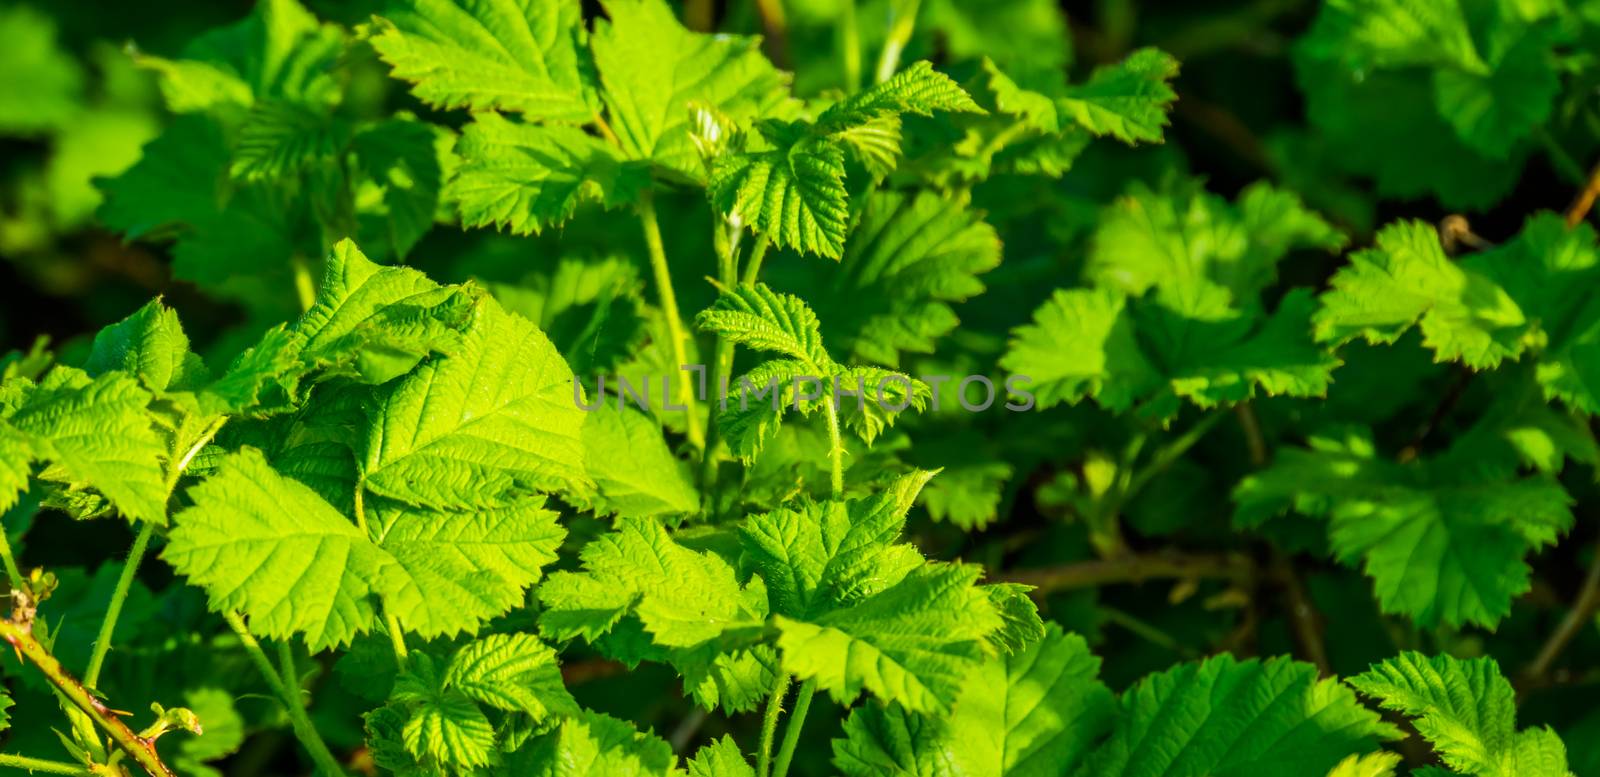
{"type": "Point", "coordinates": [286, 667]}
{"type": "Point", "coordinates": [669, 310]}
{"type": "Point", "coordinates": [849, 45]}
{"type": "Point", "coordinates": [397, 638]}
{"type": "Point", "coordinates": [142, 750]}
{"type": "Point", "coordinates": [13, 573]}
{"type": "Point", "coordinates": [304, 287]}
{"type": "Point", "coordinates": [791, 730]}
{"type": "Point", "coordinates": [130, 570]}
{"type": "Point", "coordinates": [41, 765]}
{"type": "Point", "coordinates": [899, 33]}
{"type": "Point", "coordinates": [769, 725]}
{"type": "Point", "coordinates": [321, 756]}
{"type": "Point", "coordinates": [722, 366]}
{"type": "Point", "coordinates": [1170, 453]}
{"type": "Point", "coordinates": [753, 270]}
{"type": "Point", "coordinates": [835, 445]}
{"type": "Point", "coordinates": [108, 624]}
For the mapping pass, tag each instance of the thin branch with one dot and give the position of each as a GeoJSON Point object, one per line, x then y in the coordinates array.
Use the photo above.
{"type": "Point", "coordinates": [1581, 204]}
{"type": "Point", "coordinates": [19, 632]}
{"type": "Point", "coordinates": [1132, 569]}
{"type": "Point", "coordinates": [1447, 402]}
{"type": "Point", "coordinates": [791, 730]}
{"type": "Point", "coordinates": [42, 766]}
{"type": "Point", "coordinates": [293, 704]}
{"type": "Point", "coordinates": [1580, 616]}
{"type": "Point", "coordinates": [1251, 426]}
{"type": "Point", "coordinates": [1303, 615]}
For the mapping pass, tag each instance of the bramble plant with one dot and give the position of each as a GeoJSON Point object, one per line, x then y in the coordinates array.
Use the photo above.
{"type": "Point", "coordinates": [625, 389]}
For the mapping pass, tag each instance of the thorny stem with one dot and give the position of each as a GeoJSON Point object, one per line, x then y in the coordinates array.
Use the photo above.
{"type": "Point", "coordinates": [130, 569]}
{"type": "Point", "coordinates": [1131, 569]}
{"type": "Point", "coordinates": [325, 762]}
{"type": "Point", "coordinates": [899, 32]}
{"type": "Point", "coordinates": [769, 725]}
{"type": "Point", "coordinates": [791, 730]}
{"type": "Point", "coordinates": [40, 765]}
{"type": "Point", "coordinates": [1581, 204]}
{"type": "Point", "coordinates": [669, 311]}
{"type": "Point", "coordinates": [1577, 618]}
{"type": "Point", "coordinates": [141, 750]}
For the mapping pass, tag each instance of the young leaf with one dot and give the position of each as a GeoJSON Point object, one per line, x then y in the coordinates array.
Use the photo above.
{"type": "Point", "coordinates": [792, 192]}
{"type": "Point", "coordinates": [1128, 100]}
{"type": "Point", "coordinates": [1467, 711]}
{"type": "Point", "coordinates": [512, 672]}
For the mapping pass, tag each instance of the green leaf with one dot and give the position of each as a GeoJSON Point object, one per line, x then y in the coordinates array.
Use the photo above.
{"type": "Point", "coordinates": [466, 430]}
{"type": "Point", "coordinates": [593, 310]}
{"type": "Point", "coordinates": [913, 643]}
{"type": "Point", "coordinates": [1524, 296]}
{"type": "Point", "coordinates": [443, 726]}
{"type": "Point", "coordinates": [168, 183]}
{"type": "Point", "coordinates": [653, 70]}
{"type": "Point", "coordinates": [515, 56]}
{"type": "Point", "coordinates": [919, 90]}
{"type": "Point", "coordinates": [682, 597]}
{"type": "Point", "coordinates": [594, 744]}
{"type": "Point", "coordinates": [150, 345]}
{"type": "Point", "coordinates": [1034, 713]}
{"type": "Point", "coordinates": [454, 571]}
{"type": "Point", "coordinates": [1444, 541]}
{"type": "Point", "coordinates": [526, 177]}
{"type": "Point", "coordinates": [407, 159]}
{"type": "Point", "coordinates": [1467, 711]}
{"type": "Point", "coordinates": [96, 433]}
{"type": "Point", "coordinates": [1128, 100]}
{"type": "Point", "coordinates": [760, 318]}
{"type": "Point", "coordinates": [279, 51]}
{"type": "Point", "coordinates": [280, 139]}
{"type": "Point", "coordinates": [374, 323]}
{"type": "Point", "coordinates": [634, 472]}
{"type": "Point", "coordinates": [721, 758]}
{"type": "Point", "coordinates": [512, 672]}
{"type": "Point", "coordinates": [1181, 235]}
{"type": "Point", "coordinates": [1374, 764]}
{"type": "Point", "coordinates": [906, 262]}
{"type": "Point", "coordinates": [269, 546]}
{"type": "Point", "coordinates": [1227, 717]}
{"type": "Point", "coordinates": [793, 192]}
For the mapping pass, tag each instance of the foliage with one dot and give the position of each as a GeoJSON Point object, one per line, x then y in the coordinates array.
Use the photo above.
{"type": "Point", "coordinates": [874, 387]}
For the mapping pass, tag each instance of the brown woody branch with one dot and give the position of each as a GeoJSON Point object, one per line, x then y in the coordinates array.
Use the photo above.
{"type": "Point", "coordinates": [1132, 569]}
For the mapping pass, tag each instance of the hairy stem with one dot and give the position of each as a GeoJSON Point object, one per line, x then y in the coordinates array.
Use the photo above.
{"type": "Point", "coordinates": [899, 33]}
{"type": "Point", "coordinates": [791, 730]}
{"type": "Point", "coordinates": [722, 365]}
{"type": "Point", "coordinates": [769, 725]}
{"type": "Point", "coordinates": [752, 271]}
{"type": "Point", "coordinates": [119, 596]}
{"type": "Point", "coordinates": [13, 572]}
{"type": "Point", "coordinates": [835, 446]}
{"type": "Point", "coordinates": [1131, 569]}
{"type": "Point", "coordinates": [321, 756]}
{"type": "Point", "coordinates": [141, 750]}
{"type": "Point", "coordinates": [669, 311]}
{"type": "Point", "coordinates": [40, 765]}
{"type": "Point", "coordinates": [1577, 619]}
